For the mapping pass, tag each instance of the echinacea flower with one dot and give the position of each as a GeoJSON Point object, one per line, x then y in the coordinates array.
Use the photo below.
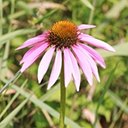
{"type": "Point", "coordinates": [70, 46]}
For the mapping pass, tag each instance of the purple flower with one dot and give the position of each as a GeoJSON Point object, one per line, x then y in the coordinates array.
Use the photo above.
{"type": "Point", "coordinates": [70, 46]}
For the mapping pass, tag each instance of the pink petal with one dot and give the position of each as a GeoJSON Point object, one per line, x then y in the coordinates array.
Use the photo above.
{"type": "Point", "coordinates": [56, 69]}
{"type": "Point", "coordinates": [85, 26]}
{"type": "Point", "coordinates": [91, 61]}
{"type": "Point", "coordinates": [33, 56]}
{"type": "Point", "coordinates": [71, 68]}
{"type": "Point", "coordinates": [33, 41]}
{"type": "Point", "coordinates": [96, 56]}
{"type": "Point", "coordinates": [67, 67]}
{"type": "Point", "coordinates": [75, 70]}
{"type": "Point", "coordinates": [29, 52]}
{"type": "Point", "coordinates": [44, 64]}
{"type": "Point", "coordinates": [85, 65]}
{"type": "Point", "coordinates": [95, 42]}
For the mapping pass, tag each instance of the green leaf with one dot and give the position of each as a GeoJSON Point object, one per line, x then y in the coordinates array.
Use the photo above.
{"type": "Point", "coordinates": [121, 50]}
{"type": "Point", "coordinates": [117, 8]}
{"type": "Point", "coordinates": [17, 75]}
{"type": "Point", "coordinates": [24, 7]}
{"type": "Point", "coordinates": [11, 35]}
{"type": "Point", "coordinates": [11, 116]}
{"type": "Point", "coordinates": [50, 92]}
{"type": "Point", "coordinates": [118, 101]}
{"type": "Point", "coordinates": [44, 106]}
{"type": "Point", "coordinates": [88, 4]}
{"type": "Point", "coordinates": [105, 89]}
{"type": "Point", "coordinates": [11, 101]}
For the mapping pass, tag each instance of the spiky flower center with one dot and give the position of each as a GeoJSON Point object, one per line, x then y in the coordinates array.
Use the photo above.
{"type": "Point", "coordinates": [63, 34]}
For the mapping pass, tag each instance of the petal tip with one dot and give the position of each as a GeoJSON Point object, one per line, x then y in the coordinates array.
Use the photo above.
{"type": "Point", "coordinates": [98, 79]}
{"type": "Point", "coordinates": [113, 50]}
{"type": "Point", "coordinates": [85, 26]}
{"type": "Point", "coordinates": [110, 48]}
{"type": "Point", "coordinates": [39, 80]}
{"type": "Point", "coordinates": [22, 70]}
{"type": "Point", "coordinates": [21, 62]}
{"type": "Point", "coordinates": [77, 89]}
{"type": "Point", "coordinates": [48, 87]}
{"type": "Point", "coordinates": [18, 48]}
{"type": "Point", "coordinates": [103, 66]}
{"type": "Point", "coordinates": [91, 83]}
{"type": "Point", "coordinates": [66, 85]}
{"type": "Point", "coordinates": [93, 26]}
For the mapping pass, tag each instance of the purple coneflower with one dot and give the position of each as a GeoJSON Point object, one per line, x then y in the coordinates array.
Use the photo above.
{"type": "Point", "coordinates": [70, 47]}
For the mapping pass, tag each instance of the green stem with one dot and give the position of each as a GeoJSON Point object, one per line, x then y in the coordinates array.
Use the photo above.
{"type": "Point", "coordinates": [1, 17]}
{"type": "Point", "coordinates": [92, 14]}
{"type": "Point", "coordinates": [62, 99]}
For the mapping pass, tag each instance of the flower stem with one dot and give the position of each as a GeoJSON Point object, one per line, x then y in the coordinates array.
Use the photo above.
{"type": "Point", "coordinates": [92, 14]}
{"type": "Point", "coordinates": [62, 98]}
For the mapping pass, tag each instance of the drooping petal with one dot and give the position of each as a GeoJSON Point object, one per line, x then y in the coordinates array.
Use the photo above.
{"type": "Point", "coordinates": [95, 42]}
{"type": "Point", "coordinates": [33, 41]}
{"type": "Point", "coordinates": [85, 26]}
{"type": "Point", "coordinates": [29, 52]}
{"type": "Point", "coordinates": [85, 65]}
{"type": "Point", "coordinates": [44, 64]}
{"type": "Point", "coordinates": [56, 69]}
{"type": "Point", "coordinates": [67, 67]}
{"type": "Point", "coordinates": [91, 61]}
{"type": "Point", "coordinates": [33, 56]}
{"type": "Point", "coordinates": [75, 70]}
{"type": "Point", "coordinates": [95, 55]}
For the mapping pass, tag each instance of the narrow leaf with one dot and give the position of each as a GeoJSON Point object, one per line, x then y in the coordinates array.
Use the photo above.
{"type": "Point", "coordinates": [121, 50]}
{"type": "Point", "coordinates": [11, 35]}
{"type": "Point", "coordinates": [44, 106]}
{"type": "Point", "coordinates": [88, 4]}
{"type": "Point", "coordinates": [118, 101]}
{"type": "Point", "coordinates": [117, 8]}
{"type": "Point", "coordinates": [11, 116]}
{"type": "Point", "coordinates": [105, 89]}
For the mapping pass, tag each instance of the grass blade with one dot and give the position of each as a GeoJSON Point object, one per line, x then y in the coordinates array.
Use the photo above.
{"type": "Point", "coordinates": [88, 4]}
{"type": "Point", "coordinates": [10, 81]}
{"type": "Point", "coordinates": [105, 89]}
{"type": "Point", "coordinates": [10, 117]}
{"type": "Point", "coordinates": [121, 50]}
{"type": "Point", "coordinates": [11, 35]}
{"type": "Point", "coordinates": [43, 105]}
{"type": "Point", "coordinates": [118, 101]}
{"type": "Point", "coordinates": [12, 100]}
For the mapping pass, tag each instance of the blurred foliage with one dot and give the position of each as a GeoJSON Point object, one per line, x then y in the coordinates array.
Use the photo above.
{"type": "Point", "coordinates": [25, 104]}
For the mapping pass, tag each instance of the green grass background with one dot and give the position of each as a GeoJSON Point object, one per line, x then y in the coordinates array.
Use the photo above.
{"type": "Point", "coordinates": [25, 104]}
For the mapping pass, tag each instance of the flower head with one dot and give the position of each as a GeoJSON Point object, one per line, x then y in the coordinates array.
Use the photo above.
{"type": "Point", "coordinates": [66, 41]}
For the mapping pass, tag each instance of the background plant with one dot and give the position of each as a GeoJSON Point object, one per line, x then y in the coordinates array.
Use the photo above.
{"type": "Point", "coordinates": [25, 104]}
